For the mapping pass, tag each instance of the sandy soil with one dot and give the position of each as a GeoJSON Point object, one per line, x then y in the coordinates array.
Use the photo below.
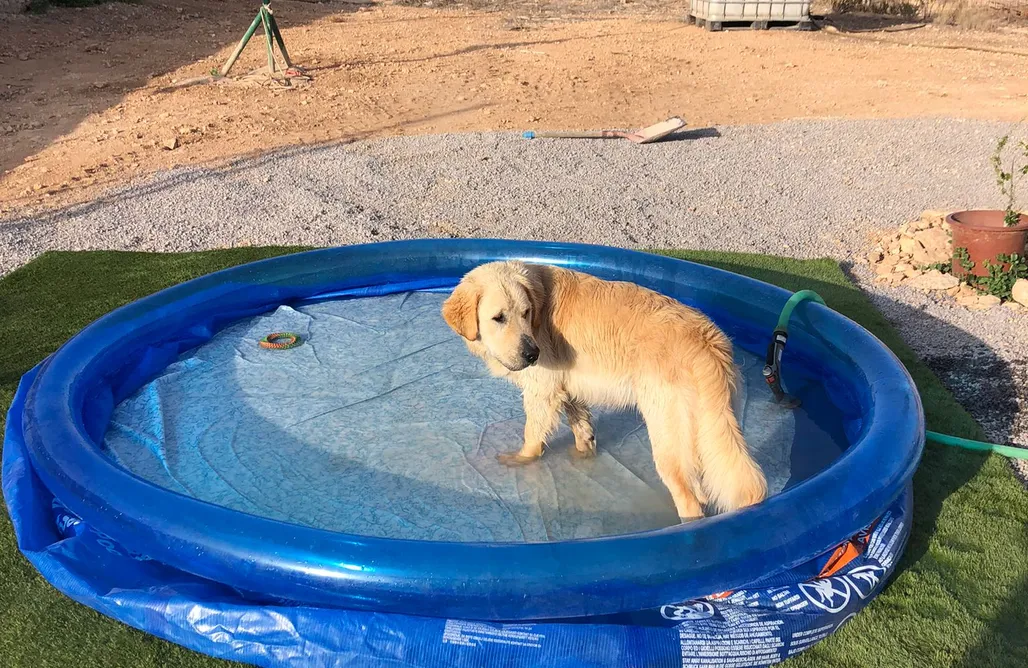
{"type": "Point", "coordinates": [94, 97]}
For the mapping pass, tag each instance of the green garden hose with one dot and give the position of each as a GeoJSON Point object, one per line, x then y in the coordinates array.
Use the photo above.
{"type": "Point", "coordinates": [773, 378]}
{"type": "Point", "coordinates": [1005, 450]}
{"type": "Point", "coordinates": [794, 301]}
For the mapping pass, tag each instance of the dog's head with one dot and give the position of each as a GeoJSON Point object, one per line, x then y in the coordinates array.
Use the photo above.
{"type": "Point", "coordinates": [498, 306]}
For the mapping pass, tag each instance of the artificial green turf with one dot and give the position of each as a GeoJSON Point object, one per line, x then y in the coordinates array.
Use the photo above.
{"type": "Point", "coordinates": [960, 597]}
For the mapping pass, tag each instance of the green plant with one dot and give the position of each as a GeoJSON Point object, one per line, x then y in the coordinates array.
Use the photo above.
{"type": "Point", "coordinates": [999, 282]}
{"type": "Point", "coordinates": [1002, 275]}
{"type": "Point", "coordinates": [962, 256]}
{"type": "Point", "coordinates": [1008, 180]}
{"type": "Point", "coordinates": [944, 267]}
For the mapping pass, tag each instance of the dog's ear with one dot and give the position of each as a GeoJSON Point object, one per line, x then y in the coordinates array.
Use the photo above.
{"type": "Point", "coordinates": [537, 285]}
{"type": "Point", "coordinates": [460, 310]}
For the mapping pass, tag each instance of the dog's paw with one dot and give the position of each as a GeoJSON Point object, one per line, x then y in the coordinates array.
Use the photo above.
{"type": "Point", "coordinates": [588, 453]}
{"type": "Point", "coordinates": [514, 459]}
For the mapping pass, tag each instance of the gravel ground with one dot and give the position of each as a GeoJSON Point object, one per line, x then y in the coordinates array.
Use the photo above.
{"type": "Point", "coordinates": [800, 188]}
{"type": "Point", "coordinates": [981, 356]}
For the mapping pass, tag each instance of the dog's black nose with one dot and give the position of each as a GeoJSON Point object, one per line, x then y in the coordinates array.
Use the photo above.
{"type": "Point", "coordinates": [529, 351]}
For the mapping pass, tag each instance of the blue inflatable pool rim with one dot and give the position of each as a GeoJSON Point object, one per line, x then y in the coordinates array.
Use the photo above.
{"type": "Point", "coordinates": [65, 410]}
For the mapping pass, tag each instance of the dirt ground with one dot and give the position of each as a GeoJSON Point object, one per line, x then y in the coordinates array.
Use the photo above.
{"type": "Point", "coordinates": [91, 98]}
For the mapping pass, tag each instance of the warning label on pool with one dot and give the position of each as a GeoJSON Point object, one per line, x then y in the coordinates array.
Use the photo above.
{"type": "Point", "coordinates": [474, 634]}
{"type": "Point", "coordinates": [746, 628]}
{"type": "Point", "coordinates": [742, 642]}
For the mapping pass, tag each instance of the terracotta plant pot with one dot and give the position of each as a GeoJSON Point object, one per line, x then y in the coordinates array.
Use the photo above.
{"type": "Point", "coordinates": [985, 237]}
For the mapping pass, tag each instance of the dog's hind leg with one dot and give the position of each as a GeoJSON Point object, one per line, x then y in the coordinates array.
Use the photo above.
{"type": "Point", "coordinates": [673, 442]}
{"type": "Point", "coordinates": [581, 422]}
{"type": "Point", "coordinates": [687, 504]}
{"type": "Point", "coordinates": [542, 417]}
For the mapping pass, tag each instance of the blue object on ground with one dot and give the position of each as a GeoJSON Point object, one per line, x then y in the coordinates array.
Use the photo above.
{"type": "Point", "coordinates": [548, 582]}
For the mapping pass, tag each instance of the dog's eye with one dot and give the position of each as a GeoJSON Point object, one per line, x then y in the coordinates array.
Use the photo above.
{"type": "Point", "coordinates": [525, 314]}
{"type": "Point", "coordinates": [499, 318]}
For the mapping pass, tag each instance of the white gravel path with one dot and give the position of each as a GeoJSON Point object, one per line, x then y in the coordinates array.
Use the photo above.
{"type": "Point", "coordinates": [800, 188]}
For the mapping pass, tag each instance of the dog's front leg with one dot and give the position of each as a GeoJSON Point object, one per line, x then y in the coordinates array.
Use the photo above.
{"type": "Point", "coordinates": [542, 415]}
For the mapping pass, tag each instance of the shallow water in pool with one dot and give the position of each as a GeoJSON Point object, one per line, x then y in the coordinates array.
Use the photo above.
{"type": "Point", "coordinates": [381, 423]}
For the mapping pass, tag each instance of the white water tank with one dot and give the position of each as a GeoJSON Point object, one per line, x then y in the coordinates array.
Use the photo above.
{"type": "Point", "coordinates": [720, 14]}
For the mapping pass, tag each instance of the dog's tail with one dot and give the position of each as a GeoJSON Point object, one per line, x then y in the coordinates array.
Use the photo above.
{"type": "Point", "coordinates": [731, 478]}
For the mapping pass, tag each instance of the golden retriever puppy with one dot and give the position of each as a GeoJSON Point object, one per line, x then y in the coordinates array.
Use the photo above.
{"type": "Point", "coordinates": [571, 341]}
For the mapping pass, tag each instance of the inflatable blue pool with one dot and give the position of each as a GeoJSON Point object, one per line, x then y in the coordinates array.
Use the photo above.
{"type": "Point", "coordinates": [339, 502]}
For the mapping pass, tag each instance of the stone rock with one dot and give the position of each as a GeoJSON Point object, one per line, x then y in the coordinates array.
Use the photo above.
{"type": "Point", "coordinates": [875, 256]}
{"type": "Point", "coordinates": [170, 144]}
{"type": "Point", "coordinates": [911, 273]}
{"type": "Point", "coordinates": [978, 302]}
{"type": "Point", "coordinates": [935, 280]}
{"type": "Point", "coordinates": [1014, 306]}
{"type": "Point", "coordinates": [936, 244]}
{"type": "Point", "coordinates": [907, 245]}
{"type": "Point", "coordinates": [933, 237]}
{"type": "Point", "coordinates": [1020, 292]}
{"type": "Point", "coordinates": [922, 257]}
{"type": "Point", "coordinates": [901, 268]}
{"type": "Point", "coordinates": [933, 218]}
{"type": "Point", "coordinates": [897, 279]}
{"type": "Point", "coordinates": [884, 268]}
{"type": "Point", "coordinates": [954, 291]}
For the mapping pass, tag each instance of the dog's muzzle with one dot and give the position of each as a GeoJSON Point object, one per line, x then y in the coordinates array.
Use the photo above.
{"type": "Point", "coordinates": [529, 351]}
